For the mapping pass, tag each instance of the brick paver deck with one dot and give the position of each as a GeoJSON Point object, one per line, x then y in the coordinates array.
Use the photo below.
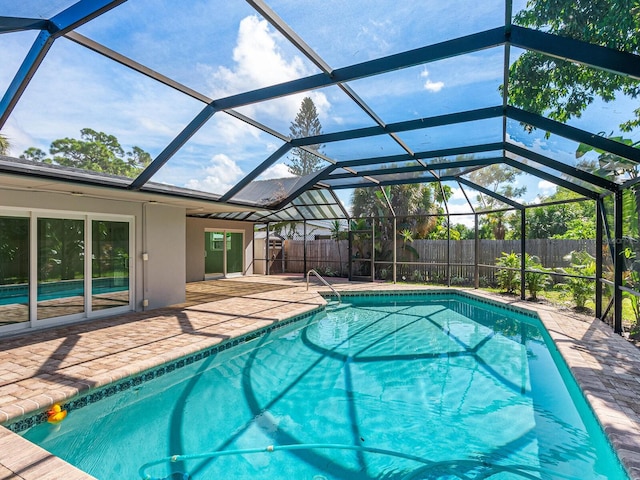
{"type": "Point", "coordinates": [45, 367]}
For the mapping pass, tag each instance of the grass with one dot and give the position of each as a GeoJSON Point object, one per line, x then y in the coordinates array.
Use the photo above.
{"type": "Point", "coordinates": [564, 300]}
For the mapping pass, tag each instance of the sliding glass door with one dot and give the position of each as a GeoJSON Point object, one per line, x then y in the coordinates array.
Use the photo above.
{"type": "Point", "coordinates": [63, 266]}
{"type": "Point", "coordinates": [223, 253]}
{"type": "Point", "coordinates": [14, 270]}
{"type": "Point", "coordinates": [109, 264]}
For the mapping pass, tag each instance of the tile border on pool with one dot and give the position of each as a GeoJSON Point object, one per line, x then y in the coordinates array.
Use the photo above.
{"type": "Point", "coordinates": [93, 396]}
{"type": "Point", "coordinates": [449, 292]}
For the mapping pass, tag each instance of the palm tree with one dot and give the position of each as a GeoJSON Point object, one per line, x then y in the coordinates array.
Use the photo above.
{"type": "Point", "coordinates": [4, 145]}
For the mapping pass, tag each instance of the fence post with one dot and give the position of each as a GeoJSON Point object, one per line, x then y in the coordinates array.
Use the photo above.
{"type": "Point", "coordinates": [373, 250]}
{"type": "Point", "coordinates": [599, 257]}
{"type": "Point", "coordinates": [304, 247]}
{"type": "Point", "coordinates": [267, 250]}
{"type": "Point", "coordinates": [395, 249]}
{"type": "Point", "coordinates": [448, 250]}
{"type": "Point", "coordinates": [476, 254]}
{"type": "Point", "coordinates": [349, 251]}
{"type": "Point", "coordinates": [618, 262]}
{"type": "Point", "coordinates": [523, 253]}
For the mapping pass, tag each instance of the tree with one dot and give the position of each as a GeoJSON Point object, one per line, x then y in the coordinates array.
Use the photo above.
{"type": "Point", "coordinates": [575, 220]}
{"type": "Point", "coordinates": [4, 145]}
{"type": "Point", "coordinates": [415, 206]}
{"type": "Point", "coordinates": [562, 90]}
{"type": "Point", "coordinates": [306, 124]}
{"type": "Point", "coordinates": [95, 151]}
{"type": "Point", "coordinates": [499, 179]}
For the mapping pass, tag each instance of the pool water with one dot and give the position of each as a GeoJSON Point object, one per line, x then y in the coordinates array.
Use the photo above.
{"type": "Point", "coordinates": [395, 388]}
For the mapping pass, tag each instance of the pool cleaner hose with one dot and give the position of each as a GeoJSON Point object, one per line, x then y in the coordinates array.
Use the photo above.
{"type": "Point", "coordinates": [521, 470]}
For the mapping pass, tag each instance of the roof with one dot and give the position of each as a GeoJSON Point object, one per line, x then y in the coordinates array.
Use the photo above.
{"type": "Point", "coordinates": [210, 88]}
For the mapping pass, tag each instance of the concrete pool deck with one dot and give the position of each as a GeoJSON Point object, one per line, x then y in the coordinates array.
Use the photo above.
{"type": "Point", "coordinates": [50, 366]}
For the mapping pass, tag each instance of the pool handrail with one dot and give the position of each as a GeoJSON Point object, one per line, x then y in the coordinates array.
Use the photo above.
{"type": "Point", "coordinates": [323, 281]}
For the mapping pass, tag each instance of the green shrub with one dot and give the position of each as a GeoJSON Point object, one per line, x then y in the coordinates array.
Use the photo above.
{"type": "Point", "coordinates": [509, 275]}
{"type": "Point", "coordinates": [417, 276]}
{"type": "Point", "coordinates": [537, 277]}
{"type": "Point", "coordinates": [580, 289]}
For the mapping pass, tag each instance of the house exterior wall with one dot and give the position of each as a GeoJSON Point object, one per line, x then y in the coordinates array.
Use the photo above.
{"type": "Point", "coordinates": [158, 230]}
{"type": "Point", "coordinates": [165, 245]}
{"type": "Point", "coordinates": [195, 228]}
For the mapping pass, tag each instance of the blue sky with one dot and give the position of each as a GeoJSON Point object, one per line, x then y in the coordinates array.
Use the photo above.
{"type": "Point", "coordinates": [221, 48]}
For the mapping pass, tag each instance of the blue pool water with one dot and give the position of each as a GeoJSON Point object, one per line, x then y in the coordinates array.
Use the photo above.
{"type": "Point", "coordinates": [395, 388]}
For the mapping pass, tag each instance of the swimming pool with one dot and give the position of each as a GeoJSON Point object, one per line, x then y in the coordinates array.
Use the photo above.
{"type": "Point", "coordinates": [392, 387]}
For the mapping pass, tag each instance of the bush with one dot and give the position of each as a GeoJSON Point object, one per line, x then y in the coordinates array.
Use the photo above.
{"type": "Point", "coordinates": [581, 289]}
{"type": "Point", "coordinates": [509, 275]}
{"type": "Point", "coordinates": [537, 279]}
{"type": "Point", "coordinates": [417, 276]}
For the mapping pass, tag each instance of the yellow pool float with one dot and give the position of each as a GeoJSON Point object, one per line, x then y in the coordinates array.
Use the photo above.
{"type": "Point", "coordinates": [56, 414]}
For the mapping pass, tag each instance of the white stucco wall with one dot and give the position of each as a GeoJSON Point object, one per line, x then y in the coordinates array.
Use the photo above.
{"type": "Point", "coordinates": [164, 242]}
{"type": "Point", "coordinates": [195, 244]}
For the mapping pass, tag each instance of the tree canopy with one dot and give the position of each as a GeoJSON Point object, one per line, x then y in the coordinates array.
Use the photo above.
{"type": "Point", "coordinates": [500, 179]}
{"type": "Point", "coordinates": [306, 124]}
{"type": "Point", "coordinates": [570, 220]}
{"type": "Point", "coordinates": [95, 151]}
{"type": "Point", "coordinates": [412, 204]}
{"type": "Point", "coordinates": [4, 145]}
{"type": "Point", "coordinates": [561, 89]}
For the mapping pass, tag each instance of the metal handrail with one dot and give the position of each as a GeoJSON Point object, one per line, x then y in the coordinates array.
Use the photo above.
{"type": "Point", "coordinates": [325, 282]}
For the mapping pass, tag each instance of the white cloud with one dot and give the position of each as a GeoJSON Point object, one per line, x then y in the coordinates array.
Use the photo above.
{"type": "Point", "coordinates": [457, 194]}
{"type": "Point", "coordinates": [276, 171]}
{"type": "Point", "coordinates": [433, 86]}
{"type": "Point", "coordinates": [429, 85]}
{"type": "Point", "coordinates": [258, 62]}
{"type": "Point", "coordinates": [466, 220]}
{"type": "Point", "coordinates": [553, 147]}
{"type": "Point", "coordinates": [221, 174]}
{"type": "Point", "coordinates": [546, 187]}
{"type": "Point", "coordinates": [461, 207]}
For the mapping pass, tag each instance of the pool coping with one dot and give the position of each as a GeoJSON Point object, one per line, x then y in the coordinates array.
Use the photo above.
{"type": "Point", "coordinates": [580, 342]}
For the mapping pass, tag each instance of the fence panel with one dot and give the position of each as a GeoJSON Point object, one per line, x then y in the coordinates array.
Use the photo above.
{"type": "Point", "coordinates": [321, 255]}
{"type": "Point", "coordinates": [331, 255]}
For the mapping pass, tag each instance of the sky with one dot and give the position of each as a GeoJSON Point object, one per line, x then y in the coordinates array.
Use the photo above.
{"type": "Point", "coordinates": [221, 48]}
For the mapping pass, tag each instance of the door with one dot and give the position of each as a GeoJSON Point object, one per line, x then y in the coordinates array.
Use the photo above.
{"type": "Point", "coordinates": [223, 253]}
{"type": "Point", "coordinates": [235, 253]}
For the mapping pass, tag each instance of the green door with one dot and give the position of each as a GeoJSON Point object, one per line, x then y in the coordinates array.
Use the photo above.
{"type": "Point", "coordinates": [213, 254]}
{"type": "Point", "coordinates": [223, 253]}
{"type": "Point", "coordinates": [234, 252]}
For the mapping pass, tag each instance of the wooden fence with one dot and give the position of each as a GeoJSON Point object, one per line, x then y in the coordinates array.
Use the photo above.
{"type": "Point", "coordinates": [431, 263]}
